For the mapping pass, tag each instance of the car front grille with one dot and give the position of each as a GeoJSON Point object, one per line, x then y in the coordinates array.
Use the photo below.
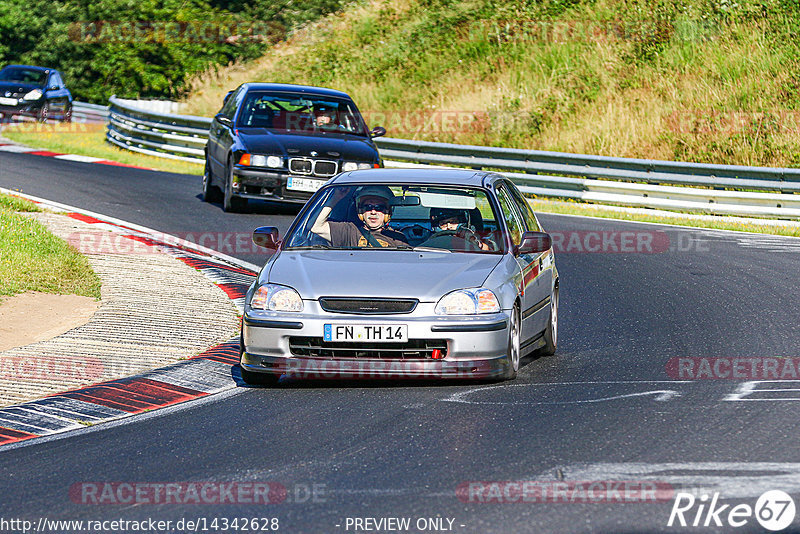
{"type": "Point", "coordinates": [315, 167]}
{"type": "Point", "coordinates": [367, 306]}
{"type": "Point", "coordinates": [413, 349]}
{"type": "Point", "coordinates": [325, 168]}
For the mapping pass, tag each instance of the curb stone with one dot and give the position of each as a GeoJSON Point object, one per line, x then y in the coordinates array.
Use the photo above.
{"type": "Point", "coordinates": [212, 371]}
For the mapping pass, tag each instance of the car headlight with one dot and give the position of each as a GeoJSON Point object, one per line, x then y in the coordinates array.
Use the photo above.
{"type": "Point", "coordinates": [352, 166]}
{"type": "Point", "coordinates": [274, 297]}
{"type": "Point", "coordinates": [35, 94]}
{"type": "Point", "coordinates": [468, 302]}
{"type": "Point", "coordinates": [274, 161]}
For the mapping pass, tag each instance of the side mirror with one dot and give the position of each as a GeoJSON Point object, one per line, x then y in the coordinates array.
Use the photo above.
{"type": "Point", "coordinates": [377, 131]}
{"type": "Point", "coordinates": [266, 236]}
{"type": "Point", "coordinates": [533, 242]}
{"type": "Point", "coordinates": [227, 97]}
{"type": "Point", "coordinates": [222, 119]}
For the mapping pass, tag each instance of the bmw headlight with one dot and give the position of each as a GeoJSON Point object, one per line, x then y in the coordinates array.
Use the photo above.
{"type": "Point", "coordinates": [352, 166]}
{"type": "Point", "coordinates": [257, 160]}
{"type": "Point", "coordinates": [36, 94]}
{"type": "Point", "coordinates": [468, 302]}
{"type": "Point", "coordinates": [274, 297]}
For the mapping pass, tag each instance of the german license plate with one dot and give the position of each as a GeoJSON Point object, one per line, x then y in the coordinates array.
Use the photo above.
{"type": "Point", "coordinates": [8, 101]}
{"type": "Point", "coordinates": [304, 184]}
{"type": "Point", "coordinates": [360, 333]}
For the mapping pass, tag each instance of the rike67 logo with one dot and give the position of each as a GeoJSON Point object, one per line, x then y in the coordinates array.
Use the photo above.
{"type": "Point", "coordinates": [774, 510]}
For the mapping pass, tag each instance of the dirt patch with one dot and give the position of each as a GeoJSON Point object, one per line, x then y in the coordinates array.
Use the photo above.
{"type": "Point", "coordinates": [31, 317]}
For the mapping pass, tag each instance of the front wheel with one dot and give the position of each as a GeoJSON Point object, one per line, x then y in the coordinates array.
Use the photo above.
{"type": "Point", "coordinates": [231, 203]}
{"type": "Point", "coordinates": [513, 344]}
{"type": "Point", "coordinates": [211, 193]}
{"type": "Point", "coordinates": [44, 112]}
{"type": "Point", "coordinates": [551, 332]}
{"type": "Point", "coordinates": [68, 113]}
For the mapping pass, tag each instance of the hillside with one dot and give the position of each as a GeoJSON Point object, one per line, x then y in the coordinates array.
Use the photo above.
{"type": "Point", "coordinates": [707, 81]}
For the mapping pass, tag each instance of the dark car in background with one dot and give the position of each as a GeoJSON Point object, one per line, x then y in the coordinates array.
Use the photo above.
{"type": "Point", "coordinates": [283, 142]}
{"type": "Point", "coordinates": [34, 92]}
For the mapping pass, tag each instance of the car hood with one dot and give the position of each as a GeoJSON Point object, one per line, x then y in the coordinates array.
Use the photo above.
{"type": "Point", "coordinates": [335, 146]}
{"type": "Point", "coordinates": [379, 273]}
{"type": "Point", "coordinates": [16, 87]}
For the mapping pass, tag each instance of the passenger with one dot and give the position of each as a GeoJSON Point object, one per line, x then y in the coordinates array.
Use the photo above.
{"type": "Point", "coordinates": [453, 222]}
{"type": "Point", "coordinates": [373, 204]}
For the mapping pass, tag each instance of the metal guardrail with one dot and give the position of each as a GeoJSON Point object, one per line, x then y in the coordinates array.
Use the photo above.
{"type": "Point", "coordinates": [698, 187]}
{"type": "Point", "coordinates": [85, 112]}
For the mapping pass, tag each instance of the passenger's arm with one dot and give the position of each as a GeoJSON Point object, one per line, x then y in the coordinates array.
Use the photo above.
{"type": "Point", "coordinates": [321, 226]}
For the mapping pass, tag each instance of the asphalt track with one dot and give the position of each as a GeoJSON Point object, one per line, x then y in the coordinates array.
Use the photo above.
{"type": "Point", "coordinates": [605, 408]}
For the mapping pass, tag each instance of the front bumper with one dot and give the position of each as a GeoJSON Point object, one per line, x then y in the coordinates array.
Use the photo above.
{"type": "Point", "coordinates": [476, 346]}
{"type": "Point", "coordinates": [269, 185]}
{"type": "Point", "coordinates": [27, 109]}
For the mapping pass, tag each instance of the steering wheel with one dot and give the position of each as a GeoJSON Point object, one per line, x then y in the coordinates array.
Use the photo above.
{"type": "Point", "coordinates": [448, 238]}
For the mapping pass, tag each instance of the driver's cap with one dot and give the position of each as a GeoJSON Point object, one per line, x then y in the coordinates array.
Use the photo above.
{"type": "Point", "coordinates": [381, 191]}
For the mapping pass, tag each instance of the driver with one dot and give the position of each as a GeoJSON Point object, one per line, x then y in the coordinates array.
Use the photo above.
{"type": "Point", "coordinates": [373, 204]}
{"type": "Point", "coordinates": [324, 117]}
{"type": "Point", "coordinates": [450, 221]}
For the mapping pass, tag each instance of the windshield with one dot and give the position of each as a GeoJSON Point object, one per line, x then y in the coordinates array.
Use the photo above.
{"type": "Point", "coordinates": [21, 75]}
{"type": "Point", "coordinates": [292, 112]}
{"type": "Point", "coordinates": [400, 217]}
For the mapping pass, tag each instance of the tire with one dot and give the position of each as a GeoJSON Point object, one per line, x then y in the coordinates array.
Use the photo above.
{"type": "Point", "coordinates": [514, 351]}
{"type": "Point", "coordinates": [231, 203]}
{"type": "Point", "coordinates": [211, 193]}
{"type": "Point", "coordinates": [68, 113]}
{"type": "Point", "coordinates": [551, 332]}
{"type": "Point", "coordinates": [44, 113]}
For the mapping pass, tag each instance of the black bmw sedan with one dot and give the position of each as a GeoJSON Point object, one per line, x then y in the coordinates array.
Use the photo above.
{"type": "Point", "coordinates": [283, 142]}
{"type": "Point", "coordinates": [34, 92]}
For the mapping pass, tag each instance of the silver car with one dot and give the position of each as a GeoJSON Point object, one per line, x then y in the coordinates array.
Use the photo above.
{"type": "Point", "coordinates": [392, 274]}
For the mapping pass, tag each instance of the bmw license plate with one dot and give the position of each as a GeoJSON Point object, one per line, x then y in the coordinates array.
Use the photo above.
{"type": "Point", "coordinates": [304, 184]}
{"type": "Point", "coordinates": [8, 101]}
{"type": "Point", "coordinates": [373, 333]}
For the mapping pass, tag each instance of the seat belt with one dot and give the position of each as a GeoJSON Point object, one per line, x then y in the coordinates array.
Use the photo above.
{"type": "Point", "coordinates": [369, 237]}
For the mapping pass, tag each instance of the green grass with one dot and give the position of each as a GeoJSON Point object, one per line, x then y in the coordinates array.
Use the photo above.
{"type": "Point", "coordinates": [89, 140]}
{"type": "Point", "coordinates": [33, 259]}
{"type": "Point", "coordinates": [687, 80]}
{"type": "Point", "coordinates": [12, 203]}
{"type": "Point", "coordinates": [593, 210]}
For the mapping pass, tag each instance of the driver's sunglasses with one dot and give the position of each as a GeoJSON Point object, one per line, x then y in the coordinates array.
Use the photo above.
{"type": "Point", "coordinates": [451, 220]}
{"type": "Point", "coordinates": [383, 208]}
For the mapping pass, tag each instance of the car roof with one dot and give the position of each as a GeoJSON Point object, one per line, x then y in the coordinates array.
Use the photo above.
{"type": "Point", "coordinates": [429, 176]}
{"type": "Point", "coordinates": [291, 88]}
{"type": "Point", "coordinates": [32, 67]}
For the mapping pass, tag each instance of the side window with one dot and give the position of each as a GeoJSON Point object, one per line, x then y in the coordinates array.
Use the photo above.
{"type": "Point", "coordinates": [525, 209]}
{"type": "Point", "coordinates": [230, 106]}
{"type": "Point", "coordinates": [510, 214]}
{"type": "Point", "coordinates": [55, 80]}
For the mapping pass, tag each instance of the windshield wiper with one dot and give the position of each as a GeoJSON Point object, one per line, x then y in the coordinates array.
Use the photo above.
{"type": "Point", "coordinates": [432, 249]}
{"type": "Point", "coordinates": [309, 247]}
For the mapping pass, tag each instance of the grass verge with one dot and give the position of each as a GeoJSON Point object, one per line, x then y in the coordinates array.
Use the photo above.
{"type": "Point", "coordinates": [593, 210]}
{"type": "Point", "coordinates": [33, 259]}
{"type": "Point", "coordinates": [90, 140]}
